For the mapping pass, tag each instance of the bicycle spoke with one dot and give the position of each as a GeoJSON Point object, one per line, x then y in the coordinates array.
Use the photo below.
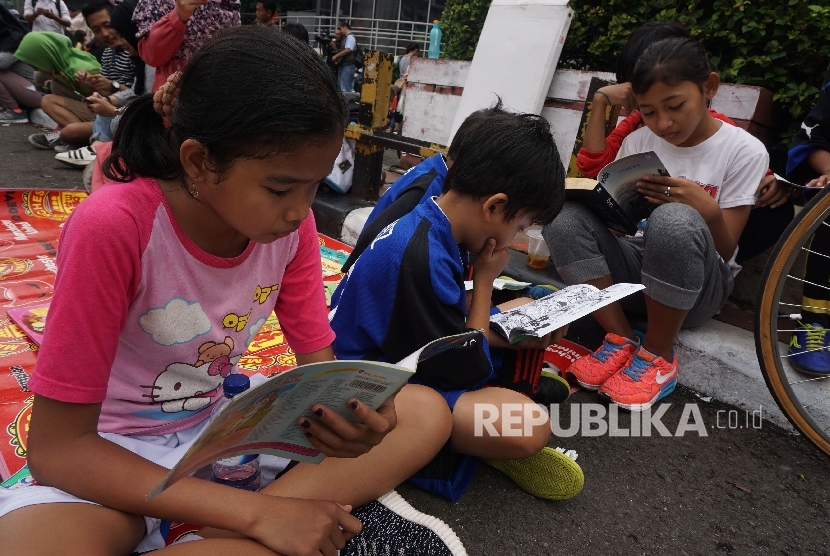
{"type": "Point", "coordinates": [802, 306]}
{"type": "Point", "coordinates": [815, 252]}
{"type": "Point", "coordinates": [806, 282]}
{"type": "Point", "coordinates": [815, 402]}
{"type": "Point", "coordinates": [797, 382]}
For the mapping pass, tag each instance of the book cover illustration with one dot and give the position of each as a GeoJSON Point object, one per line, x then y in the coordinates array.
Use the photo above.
{"type": "Point", "coordinates": [332, 261]}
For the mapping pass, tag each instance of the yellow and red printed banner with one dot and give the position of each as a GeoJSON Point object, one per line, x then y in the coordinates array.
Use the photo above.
{"type": "Point", "coordinates": [30, 225]}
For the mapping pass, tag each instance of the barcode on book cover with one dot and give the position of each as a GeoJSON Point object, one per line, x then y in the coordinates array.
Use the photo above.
{"type": "Point", "coordinates": [367, 386]}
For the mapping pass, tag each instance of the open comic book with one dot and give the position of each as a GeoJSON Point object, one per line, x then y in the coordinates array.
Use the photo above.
{"type": "Point", "coordinates": [614, 197]}
{"type": "Point", "coordinates": [263, 420]}
{"type": "Point", "coordinates": [549, 313]}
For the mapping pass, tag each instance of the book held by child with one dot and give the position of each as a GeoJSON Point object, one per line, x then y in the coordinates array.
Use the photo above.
{"type": "Point", "coordinates": [263, 420]}
{"type": "Point", "coordinates": [614, 196]}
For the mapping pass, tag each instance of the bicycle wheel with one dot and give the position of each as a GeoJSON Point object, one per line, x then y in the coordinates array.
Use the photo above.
{"type": "Point", "coordinates": [804, 399]}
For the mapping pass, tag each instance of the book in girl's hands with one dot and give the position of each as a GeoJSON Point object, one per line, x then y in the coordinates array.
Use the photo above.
{"type": "Point", "coordinates": [614, 197]}
{"type": "Point", "coordinates": [263, 420]}
{"type": "Point", "coordinates": [552, 312]}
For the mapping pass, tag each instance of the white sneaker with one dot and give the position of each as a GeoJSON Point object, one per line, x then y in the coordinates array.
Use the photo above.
{"type": "Point", "coordinates": [78, 158]}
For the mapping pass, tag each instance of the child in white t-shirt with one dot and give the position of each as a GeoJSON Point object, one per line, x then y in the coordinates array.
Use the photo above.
{"type": "Point", "coordinates": [685, 257]}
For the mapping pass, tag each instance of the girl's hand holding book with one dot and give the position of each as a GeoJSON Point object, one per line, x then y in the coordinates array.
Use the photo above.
{"type": "Point", "coordinates": [660, 190]}
{"type": "Point", "coordinates": [336, 437]}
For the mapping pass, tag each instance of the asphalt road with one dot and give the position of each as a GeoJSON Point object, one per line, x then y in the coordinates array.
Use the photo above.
{"type": "Point", "coordinates": [741, 490]}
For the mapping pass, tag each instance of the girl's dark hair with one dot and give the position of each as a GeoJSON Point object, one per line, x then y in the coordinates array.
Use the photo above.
{"type": "Point", "coordinates": [640, 39]}
{"type": "Point", "coordinates": [247, 93]}
{"type": "Point", "coordinates": [671, 61]}
{"type": "Point", "coordinates": [411, 47]}
{"type": "Point", "coordinates": [514, 154]}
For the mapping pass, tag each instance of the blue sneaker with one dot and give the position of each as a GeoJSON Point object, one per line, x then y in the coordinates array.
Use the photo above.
{"type": "Point", "coordinates": [810, 349]}
{"type": "Point", "coordinates": [17, 116]}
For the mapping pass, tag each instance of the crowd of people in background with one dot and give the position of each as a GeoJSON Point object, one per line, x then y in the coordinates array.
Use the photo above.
{"type": "Point", "coordinates": [83, 67]}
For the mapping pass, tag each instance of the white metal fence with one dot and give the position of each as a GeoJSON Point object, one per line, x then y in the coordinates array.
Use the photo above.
{"type": "Point", "coordinates": [389, 35]}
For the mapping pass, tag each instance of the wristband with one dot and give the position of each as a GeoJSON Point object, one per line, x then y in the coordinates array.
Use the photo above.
{"type": "Point", "coordinates": [606, 97]}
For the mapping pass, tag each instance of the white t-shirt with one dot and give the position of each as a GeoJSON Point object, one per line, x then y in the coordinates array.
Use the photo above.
{"type": "Point", "coordinates": [729, 165]}
{"type": "Point", "coordinates": [350, 42]}
{"type": "Point", "coordinates": [43, 23]}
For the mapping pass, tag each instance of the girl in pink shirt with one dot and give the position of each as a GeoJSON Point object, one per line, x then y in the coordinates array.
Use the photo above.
{"type": "Point", "coordinates": [164, 279]}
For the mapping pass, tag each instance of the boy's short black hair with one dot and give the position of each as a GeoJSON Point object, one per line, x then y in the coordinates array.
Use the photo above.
{"type": "Point", "coordinates": [94, 7]}
{"type": "Point", "coordinates": [346, 25]}
{"type": "Point", "coordinates": [268, 5]}
{"type": "Point", "coordinates": [496, 151]}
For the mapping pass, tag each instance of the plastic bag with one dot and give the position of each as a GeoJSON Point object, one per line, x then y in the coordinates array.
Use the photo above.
{"type": "Point", "coordinates": [340, 179]}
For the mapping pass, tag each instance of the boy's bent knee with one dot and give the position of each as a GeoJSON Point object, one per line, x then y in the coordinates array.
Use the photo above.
{"type": "Point", "coordinates": [526, 446]}
{"type": "Point", "coordinates": [424, 409]}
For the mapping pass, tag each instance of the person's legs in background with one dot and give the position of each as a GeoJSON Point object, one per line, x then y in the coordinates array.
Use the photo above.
{"type": "Point", "coordinates": [84, 156]}
{"type": "Point", "coordinates": [346, 78]}
{"type": "Point", "coordinates": [72, 115]}
{"type": "Point", "coordinates": [16, 96]}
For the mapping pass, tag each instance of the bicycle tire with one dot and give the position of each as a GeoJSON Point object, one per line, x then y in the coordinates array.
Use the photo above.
{"type": "Point", "coordinates": [797, 234]}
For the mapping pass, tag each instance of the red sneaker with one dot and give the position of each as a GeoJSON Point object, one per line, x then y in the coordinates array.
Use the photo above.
{"type": "Point", "coordinates": [646, 379]}
{"type": "Point", "coordinates": [594, 369]}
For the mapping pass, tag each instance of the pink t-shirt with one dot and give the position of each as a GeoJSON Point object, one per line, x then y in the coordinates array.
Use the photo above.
{"type": "Point", "coordinates": [146, 322]}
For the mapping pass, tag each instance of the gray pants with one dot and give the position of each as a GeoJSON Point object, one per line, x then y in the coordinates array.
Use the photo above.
{"type": "Point", "coordinates": [675, 259]}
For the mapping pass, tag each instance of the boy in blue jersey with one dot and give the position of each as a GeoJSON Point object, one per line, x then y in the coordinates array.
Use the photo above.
{"type": "Point", "coordinates": [406, 289]}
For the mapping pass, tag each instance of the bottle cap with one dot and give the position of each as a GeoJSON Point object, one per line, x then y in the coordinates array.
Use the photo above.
{"type": "Point", "coordinates": [436, 21]}
{"type": "Point", "coordinates": [235, 384]}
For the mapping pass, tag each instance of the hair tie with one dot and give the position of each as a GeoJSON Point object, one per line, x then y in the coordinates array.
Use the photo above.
{"type": "Point", "coordinates": [164, 100]}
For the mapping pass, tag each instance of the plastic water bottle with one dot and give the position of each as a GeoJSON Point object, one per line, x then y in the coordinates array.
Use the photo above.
{"type": "Point", "coordinates": [435, 40]}
{"type": "Point", "coordinates": [238, 471]}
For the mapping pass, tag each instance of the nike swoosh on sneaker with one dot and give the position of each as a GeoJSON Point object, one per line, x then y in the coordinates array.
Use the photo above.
{"type": "Point", "coordinates": [662, 378]}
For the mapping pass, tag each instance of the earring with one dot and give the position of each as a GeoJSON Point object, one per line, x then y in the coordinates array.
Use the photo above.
{"type": "Point", "coordinates": [192, 191]}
